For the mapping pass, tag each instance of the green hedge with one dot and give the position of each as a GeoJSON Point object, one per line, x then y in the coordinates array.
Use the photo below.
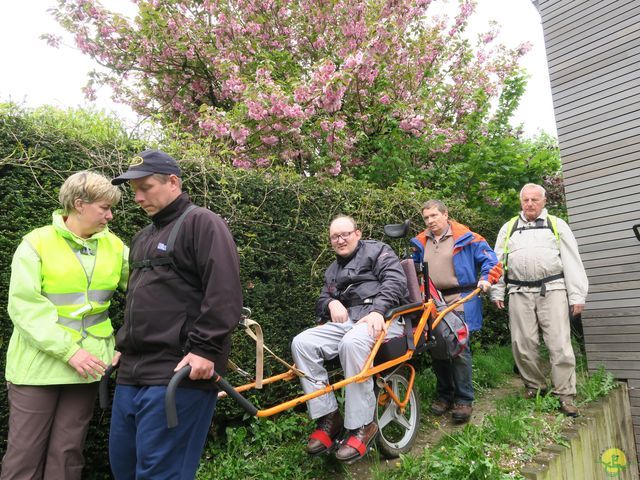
{"type": "Point", "coordinates": [279, 221]}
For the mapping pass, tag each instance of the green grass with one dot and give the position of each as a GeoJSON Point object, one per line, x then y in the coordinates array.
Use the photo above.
{"type": "Point", "coordinates": [491, 367]}
{"type": "Point", "coordinates": [595, 385]}
{"type": "Point", "coordinates": [265, 449]}
{"type": "Point", "coordinates": [493, 450]}
{"type": "Point", "coordinates": [273, 448]}
{"type": "Point", "coordinates": [504, 441]}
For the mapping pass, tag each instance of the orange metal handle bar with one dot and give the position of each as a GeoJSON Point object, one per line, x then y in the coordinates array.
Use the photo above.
{"type": "Point", "coordinates": [367, 371]}
{"type": "Point", "coordinates": [453, 306]}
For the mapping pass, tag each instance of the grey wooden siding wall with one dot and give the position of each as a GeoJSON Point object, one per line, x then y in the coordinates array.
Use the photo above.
{"type": "Point", "coordinates": [593, 52]}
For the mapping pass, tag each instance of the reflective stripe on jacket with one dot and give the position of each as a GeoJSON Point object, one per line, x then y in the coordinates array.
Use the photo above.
{"type": "Point", "coordinates": [82, 303]}
{"type": "Point", "coordinates": [40, 348]}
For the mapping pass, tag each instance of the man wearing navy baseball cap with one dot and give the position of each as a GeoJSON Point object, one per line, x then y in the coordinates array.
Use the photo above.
{"type": "Point", "coordinates": [183, 302]}
{"type": "Point", "coordinates": [148, 163]}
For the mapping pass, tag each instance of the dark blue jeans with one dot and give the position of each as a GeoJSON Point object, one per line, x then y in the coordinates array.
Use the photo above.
{"type": "Point", "coordinates": [140, 444]}
{"type": "Point", "coordinates": [453, 379]}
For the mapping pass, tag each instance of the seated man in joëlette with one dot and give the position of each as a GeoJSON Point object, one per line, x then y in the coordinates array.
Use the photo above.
{"type": "Point", "coordinates": [364, 281]}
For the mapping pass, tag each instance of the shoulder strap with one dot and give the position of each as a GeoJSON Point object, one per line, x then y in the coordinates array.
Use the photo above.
{"type": "Point", "coordinates": [176, 228]}
{"type": "Point", "coordinates": [510, 227]}
{"type": "Point", "coordinates": [505, 257]}
{"type": "Point", "coordinates": [553, 222]}
{"type": "Point", "coordinates": [187, 276]}
{"type": "Point", "coordinates": [167, 258]}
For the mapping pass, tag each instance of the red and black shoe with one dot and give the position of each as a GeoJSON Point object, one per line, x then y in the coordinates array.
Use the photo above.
{"type": "Point", "coordinates": [357, 444]}
{"type": "Point", "coordinates": [328, 429]}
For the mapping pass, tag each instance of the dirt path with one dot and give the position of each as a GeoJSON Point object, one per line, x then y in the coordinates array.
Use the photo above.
{"type": "Point", "coordinates": [432, 429]}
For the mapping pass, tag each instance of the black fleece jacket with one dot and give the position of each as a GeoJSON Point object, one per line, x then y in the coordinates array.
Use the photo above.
{"type": "Point", "coordinates": [166, 316]}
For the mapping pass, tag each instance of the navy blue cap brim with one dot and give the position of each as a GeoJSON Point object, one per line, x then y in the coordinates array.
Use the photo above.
{"type": "Point", "coordinates": [130, 175]}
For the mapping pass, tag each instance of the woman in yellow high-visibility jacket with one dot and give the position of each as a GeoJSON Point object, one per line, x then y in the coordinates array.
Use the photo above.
{"type": "Point", "coordinates": [62, 278]}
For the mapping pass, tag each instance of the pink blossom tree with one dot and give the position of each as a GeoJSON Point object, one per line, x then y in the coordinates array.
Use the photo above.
{"type": "Point", "coordinates": [311, 84]}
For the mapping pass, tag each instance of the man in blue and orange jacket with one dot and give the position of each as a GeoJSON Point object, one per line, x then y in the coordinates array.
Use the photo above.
{"type": "Point", "coordinates": [459, 261]}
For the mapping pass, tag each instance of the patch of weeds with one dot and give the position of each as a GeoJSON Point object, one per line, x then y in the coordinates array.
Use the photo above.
{"type": "Point", "coordinates": [512, 403]}
{"type": "Point", "coordinates": [265, 449]}
{"type": "Point", "coordinates": [524, 425]}
{"type": "Point", "coordinates": [407, 467]}
{"type": "Point", "coordinates": [540, 404]}
{"type": "Point", "coordinates": [495, 449]}
{"type": "Point", "coordinates": [546, 403]}
{"type": "Point", "coordinates": [594, 386]}
{"type": "Point", "coordinates": [467, 454]}
{"type": "Point", "coordinates": [512, 427]}
{"type": "Point", "coordinates": [491, 367]}
{"type": "Point", "coordinates": [425, 383]}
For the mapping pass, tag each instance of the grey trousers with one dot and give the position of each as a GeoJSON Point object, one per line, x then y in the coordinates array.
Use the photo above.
{"type": "Point", "coordinates": [47, 429]}
{"type": "Point", "coordinates": [528, 312]}
{"type": "Point", "coordinates": [353, 344]}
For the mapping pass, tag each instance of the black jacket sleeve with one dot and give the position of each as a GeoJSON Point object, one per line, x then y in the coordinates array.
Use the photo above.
{"type": "Point", "coordinates": [218, 267]}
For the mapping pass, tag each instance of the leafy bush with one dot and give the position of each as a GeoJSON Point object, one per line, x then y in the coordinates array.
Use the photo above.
{"type": "Point", "coordinates": [279, 221]}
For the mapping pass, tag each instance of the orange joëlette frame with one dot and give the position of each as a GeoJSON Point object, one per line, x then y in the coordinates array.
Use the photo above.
{"type": "Point", "coordinates": [428, 310]}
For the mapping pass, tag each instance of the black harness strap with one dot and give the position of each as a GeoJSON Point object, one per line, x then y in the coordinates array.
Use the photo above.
{"type": "Point", "coordinates": [167, 258]}
{"type": "Point", "coordinates": [539, 225]}
{"type": "Point", "coordinates": [462, 288]}
{"type": "Point", "coordinates": [536, 283]}
{"type": "Point", "coordinates": [356, 302]}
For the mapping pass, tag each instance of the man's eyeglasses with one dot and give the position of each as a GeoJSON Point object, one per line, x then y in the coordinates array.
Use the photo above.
{"type": "Point", "coordinates": [337, 236]}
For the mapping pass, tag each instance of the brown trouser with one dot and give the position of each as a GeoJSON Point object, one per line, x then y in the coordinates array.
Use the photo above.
{"type": "Point", "coordinates": [47, 429]}
{"type": "Point", "coordinates": [528, 312]}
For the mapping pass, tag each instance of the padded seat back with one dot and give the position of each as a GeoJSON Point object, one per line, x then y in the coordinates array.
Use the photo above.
{"type": "Point", "coordinates": [409, 267]}
{"type": "Point", "coordinates": [395, 347]}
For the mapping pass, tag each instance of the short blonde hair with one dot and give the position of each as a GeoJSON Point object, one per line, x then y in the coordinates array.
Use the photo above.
{"type": "Point", "coordinates": [89, 187]}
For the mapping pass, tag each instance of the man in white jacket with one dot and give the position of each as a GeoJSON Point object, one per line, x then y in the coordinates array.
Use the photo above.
{"type": "Point", "coordinates": [544, 277]}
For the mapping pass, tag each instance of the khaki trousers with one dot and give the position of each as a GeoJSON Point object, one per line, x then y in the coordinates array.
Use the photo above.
{"type": "Point", "coordinates": [530, 312]}
{"type": "Point", "coordinates": [47, 429]}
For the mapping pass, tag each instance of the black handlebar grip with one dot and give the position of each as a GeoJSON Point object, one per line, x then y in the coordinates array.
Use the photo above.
{"type": "Point", "coordinates": [240, 400]}
{"type": "Point", "coordinates": [636, 231]}
{"type": "Point", "coordinates": [170, 396]}
{"type": "Point", "coordinates": [103, 388]}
